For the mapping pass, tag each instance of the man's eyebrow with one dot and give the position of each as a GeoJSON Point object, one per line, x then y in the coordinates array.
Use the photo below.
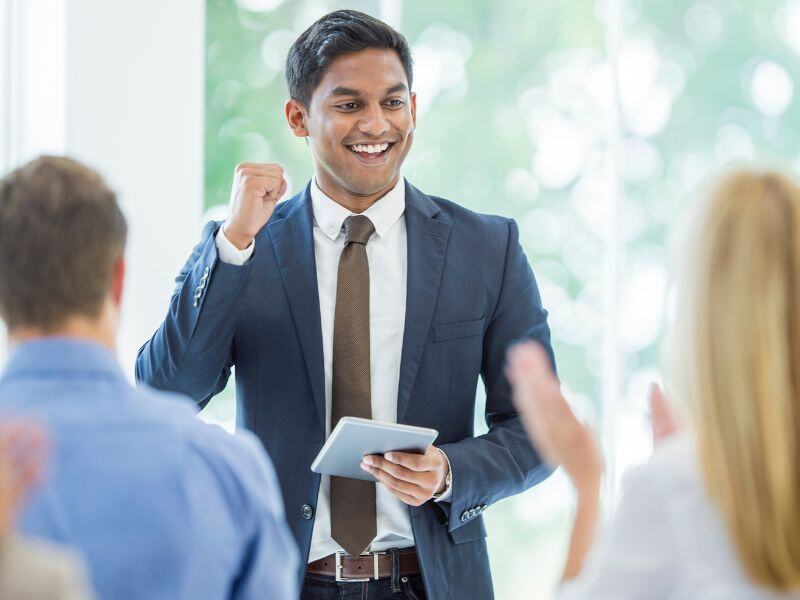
{"type": "Point", "coordinates": [345, 91]}
{"type": "Point", "coordinates": [397, 87]}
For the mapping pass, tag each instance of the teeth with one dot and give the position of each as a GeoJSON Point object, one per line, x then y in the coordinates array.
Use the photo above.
{"type": "Point", "coordinates": [369, 148]}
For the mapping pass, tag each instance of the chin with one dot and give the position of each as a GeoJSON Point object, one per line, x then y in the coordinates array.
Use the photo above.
{"type": "Point", "coordinates": [364, 189]}
{"type": "Point", "coordinates": [367, 186]}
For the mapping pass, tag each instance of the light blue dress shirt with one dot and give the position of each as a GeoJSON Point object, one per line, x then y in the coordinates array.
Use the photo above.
{"type": "Point", "coordinates": [160, 504]}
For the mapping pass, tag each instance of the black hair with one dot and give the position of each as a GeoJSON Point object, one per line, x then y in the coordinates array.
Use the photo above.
{"type": "Point", "coordinates": [338, 33]}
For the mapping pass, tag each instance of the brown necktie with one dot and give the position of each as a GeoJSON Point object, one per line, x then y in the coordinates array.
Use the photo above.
{"type": "Point", "coordinates": [353, 517]}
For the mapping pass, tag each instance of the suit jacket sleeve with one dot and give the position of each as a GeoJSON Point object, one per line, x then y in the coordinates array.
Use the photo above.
{"type": "Point", "coordinates": [502, 462]}
{"type": "Point", "coordinates": [191, 352]}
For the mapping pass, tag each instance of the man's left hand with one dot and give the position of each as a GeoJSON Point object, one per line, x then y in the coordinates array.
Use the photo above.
{"type": "Point", "coordinates": [414, 478]}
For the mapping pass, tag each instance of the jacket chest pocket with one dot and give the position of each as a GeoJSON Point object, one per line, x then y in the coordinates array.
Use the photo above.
{"type": "Point", "coordinates": [455, 331]}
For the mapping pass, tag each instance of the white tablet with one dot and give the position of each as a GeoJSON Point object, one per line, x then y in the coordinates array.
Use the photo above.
{"type": "Point", "coordinates": [352, 438]}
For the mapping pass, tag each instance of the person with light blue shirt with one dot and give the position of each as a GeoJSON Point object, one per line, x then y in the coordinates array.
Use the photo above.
{"type": "Point", "coordinates": [160, 504]}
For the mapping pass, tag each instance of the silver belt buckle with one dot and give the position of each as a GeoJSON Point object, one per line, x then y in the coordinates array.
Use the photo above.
{"type": "Point", "coordinates": [339, 567]}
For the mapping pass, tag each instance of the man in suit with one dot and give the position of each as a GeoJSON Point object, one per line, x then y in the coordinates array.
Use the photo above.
{"type": "Point", "coordinates": [160, 504]}
{"type": "Point", "coordinates": [362, 296]}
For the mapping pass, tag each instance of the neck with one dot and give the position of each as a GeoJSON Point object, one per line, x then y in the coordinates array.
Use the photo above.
{"type": "Point", "coordinates": [96, 330]}
{"type": "Point", "coordinates": [355, 203]}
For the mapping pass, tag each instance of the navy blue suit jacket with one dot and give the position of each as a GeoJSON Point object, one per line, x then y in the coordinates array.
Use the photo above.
{"type": "Point", "coordinates": [470, 294]}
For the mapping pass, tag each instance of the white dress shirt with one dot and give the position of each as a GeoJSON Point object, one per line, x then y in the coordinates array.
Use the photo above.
{"type": "Point", "coordinates": [387, 256]}
{"type": "Point", "coordinates": [665, 540]}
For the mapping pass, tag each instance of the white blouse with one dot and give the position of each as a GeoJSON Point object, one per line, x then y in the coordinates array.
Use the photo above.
{"type": "Point", "coordinates": [665, 539]}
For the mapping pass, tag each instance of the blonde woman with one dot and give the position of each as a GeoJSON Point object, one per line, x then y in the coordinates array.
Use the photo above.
{"type": "Point", "coordinates": [716, 512]}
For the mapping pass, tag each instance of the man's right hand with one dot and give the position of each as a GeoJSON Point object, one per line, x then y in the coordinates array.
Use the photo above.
{"type": "Point", "coordinates": [255, 192]}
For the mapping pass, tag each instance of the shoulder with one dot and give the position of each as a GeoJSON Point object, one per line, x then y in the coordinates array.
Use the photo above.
{"type": "Point", "coordinates": [241, 468]}
{"type": "Point", "coordinates": [236, 462]}
{"type": "Point", "coordinates": [485, 232]}
{"type": "Point", "coordinates": [464, 217]}
{"type": "Point", "coordinates": [671, 469]}
{"type": "Point", "coordinates": [171, 408]}
{"type": "Point", "coordinates": [241, 452]}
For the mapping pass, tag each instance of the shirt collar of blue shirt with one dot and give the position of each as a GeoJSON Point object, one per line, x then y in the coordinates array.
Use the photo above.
{"type": "Point", "coordinates": [62, 354]}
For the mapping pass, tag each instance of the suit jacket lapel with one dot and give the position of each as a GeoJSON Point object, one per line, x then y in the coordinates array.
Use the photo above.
{"type": "Point", "coordinates": [293, 241]}
{"type": "Point", "coordinates": [427, 245]}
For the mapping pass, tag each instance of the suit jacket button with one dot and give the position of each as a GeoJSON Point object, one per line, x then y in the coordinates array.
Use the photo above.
{"type": "Point", "coordinates": [306, 511]}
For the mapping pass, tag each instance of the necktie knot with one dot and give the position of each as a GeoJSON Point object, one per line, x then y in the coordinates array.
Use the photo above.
{"type": "Point", "coordinates": [358, 229]}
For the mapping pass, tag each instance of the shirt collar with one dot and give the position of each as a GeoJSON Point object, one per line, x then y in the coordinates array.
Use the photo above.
{"type": "Point", "coordinates": [62, 354]}
{"type": "Point", "coordinates": [329, 216]}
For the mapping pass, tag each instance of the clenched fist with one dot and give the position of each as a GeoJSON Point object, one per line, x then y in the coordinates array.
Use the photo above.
{"type": "Point", "coordinates": [255, 192]}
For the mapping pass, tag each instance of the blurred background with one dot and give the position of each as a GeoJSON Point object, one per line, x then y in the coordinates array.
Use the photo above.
{"type": "Point", "coordinates": [591, 123]}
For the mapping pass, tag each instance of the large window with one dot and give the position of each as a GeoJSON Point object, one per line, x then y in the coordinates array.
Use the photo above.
{"type": "Point", "coordinates": [591, 124]}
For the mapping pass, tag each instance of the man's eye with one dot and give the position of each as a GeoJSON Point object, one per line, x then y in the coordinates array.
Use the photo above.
{"type": "Point", "coordinates": [395, 103]}
{"type": "Point", "coordinates": [349, 106]}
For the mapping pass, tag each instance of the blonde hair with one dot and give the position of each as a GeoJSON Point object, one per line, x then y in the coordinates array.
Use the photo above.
{"type": "Point", "coordinates": [741, 366]}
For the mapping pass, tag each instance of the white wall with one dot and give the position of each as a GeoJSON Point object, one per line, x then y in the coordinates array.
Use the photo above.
{"type": "Point", "coordinates": [134, 110]}
{"type": "Point", "coordinates": [119, 85]}
{"type": "Point", "coordinates": [32, 72]}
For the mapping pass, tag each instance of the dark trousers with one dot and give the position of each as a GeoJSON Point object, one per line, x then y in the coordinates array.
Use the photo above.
{"type": "Point", "coordinates": [318, 587]}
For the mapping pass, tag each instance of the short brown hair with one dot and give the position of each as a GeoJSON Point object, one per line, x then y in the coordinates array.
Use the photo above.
{"type": "Point", "coordinates": [61, 233]}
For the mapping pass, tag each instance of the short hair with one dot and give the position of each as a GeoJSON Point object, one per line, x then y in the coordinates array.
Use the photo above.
{"type": "Point", "coordinates": [61, 233]}
{"type": "Point", "coordinates": [338, 33]}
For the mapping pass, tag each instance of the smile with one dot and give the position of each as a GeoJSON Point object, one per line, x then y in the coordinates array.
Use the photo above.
{"type": "Point", "coordinates": [371, 153]}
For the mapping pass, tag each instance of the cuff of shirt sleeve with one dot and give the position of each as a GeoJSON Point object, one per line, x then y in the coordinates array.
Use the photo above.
{"type": "Point", "coordinates": [448, 492]}
{"type": "Point", "coordinates": [228, 253]}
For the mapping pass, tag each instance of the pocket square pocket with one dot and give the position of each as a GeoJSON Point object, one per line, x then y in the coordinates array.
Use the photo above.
{"type": "Point", "coordinates": [454, 331]}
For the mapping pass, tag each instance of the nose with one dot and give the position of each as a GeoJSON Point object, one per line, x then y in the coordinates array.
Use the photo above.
{"type": "Point", "coordinates": [373, 121]}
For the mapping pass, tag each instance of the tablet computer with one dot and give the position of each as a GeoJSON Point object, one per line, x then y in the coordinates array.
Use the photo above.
{"type": "Point", "coordinates": [352, 438]}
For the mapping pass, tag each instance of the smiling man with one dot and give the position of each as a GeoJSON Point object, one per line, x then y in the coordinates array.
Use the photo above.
{"type": "Point", "coordinates": [362, 296]}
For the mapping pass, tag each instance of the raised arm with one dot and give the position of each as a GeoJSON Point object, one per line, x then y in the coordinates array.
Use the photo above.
{"type": "Point", "coordinates": [191, 352]}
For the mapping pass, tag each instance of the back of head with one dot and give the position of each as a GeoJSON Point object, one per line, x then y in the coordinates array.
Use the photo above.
{"type": "Point", "coordinates": [335, 34]}
{"type": "Point", "coordinates": [61, 234]}
{"type": "Point", "coordinates": [742, 366]}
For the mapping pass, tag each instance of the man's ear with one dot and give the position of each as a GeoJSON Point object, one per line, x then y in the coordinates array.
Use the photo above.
{"type": "Point", "coordinates": [414, 108]}
{"type": "Point", "coordinates": [296, 117]}
{"type": "Point", "coordinates": [118, 280]}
